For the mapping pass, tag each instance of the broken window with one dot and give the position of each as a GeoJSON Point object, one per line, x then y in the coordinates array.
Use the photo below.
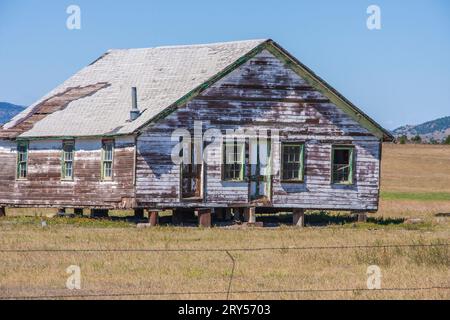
{"type": "Point", "coordinates": [67, 160]}
{"type": "Point", "coordinates": [342, 164]}
{"type": "Point", "coordinates": [234, 161]}
{"type": "Point", "coordinates": [107, 159]}
{"type": "Point", "coordinates": [292, 155]}
{"type": "Point", "coordinates": [22, 160]}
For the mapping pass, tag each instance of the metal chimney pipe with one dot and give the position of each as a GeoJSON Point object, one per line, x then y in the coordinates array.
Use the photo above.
{"type": "Point", "coordinates": [134, 113]}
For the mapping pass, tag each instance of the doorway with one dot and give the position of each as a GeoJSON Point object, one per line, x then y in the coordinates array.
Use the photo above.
{"type": "Point", "coordinates": [260, 166]}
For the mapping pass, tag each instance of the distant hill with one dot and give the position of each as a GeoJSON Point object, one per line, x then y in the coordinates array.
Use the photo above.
{"type": "Point", "coordinates": [437, 129]}
{"type": "Point", "coordinates": [8, 111]}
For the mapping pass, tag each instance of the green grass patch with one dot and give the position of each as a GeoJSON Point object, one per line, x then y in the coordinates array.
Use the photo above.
{"type": "Point", "coordinates": [76, 222]}
{"type": "Point", "coordinates": [425, 196]}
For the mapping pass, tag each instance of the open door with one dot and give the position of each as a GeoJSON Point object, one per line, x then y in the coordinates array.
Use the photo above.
{"type": "Point", "coordinates": [192, 173]}
{"type": "Point", "coordinates": [260, 177]}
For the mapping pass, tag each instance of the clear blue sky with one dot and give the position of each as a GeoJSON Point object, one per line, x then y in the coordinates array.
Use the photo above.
{"type": "Point", "coordinates": [399, 74]}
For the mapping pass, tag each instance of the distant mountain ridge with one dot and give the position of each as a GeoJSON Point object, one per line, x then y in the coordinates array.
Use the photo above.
{"type": "Point", "coordinates": [438, 130]}
{"type": "Point", "coordinates": [8, 111]}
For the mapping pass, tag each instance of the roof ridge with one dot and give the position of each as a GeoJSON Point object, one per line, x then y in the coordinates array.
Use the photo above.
{"type": "Point", "coordinates": [193, 45]}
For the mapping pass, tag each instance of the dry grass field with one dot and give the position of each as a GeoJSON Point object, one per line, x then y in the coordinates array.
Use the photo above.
{"type": "Point", "coordinates": [415, 184]}
{"type": "Point", "coordinates": [415, 181]}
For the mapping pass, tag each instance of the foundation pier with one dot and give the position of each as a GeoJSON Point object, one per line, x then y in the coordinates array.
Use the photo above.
{"type": "Point", "coordinates": [298, 218]}
{"type": "Point", "coordinates": [153, 217]}
{"type": "Point", "coordinates": [361, 217]}
{"type": "Point", "coordinates": [204, 217]}
{"type": "Point", "coordinates": [250, 215]}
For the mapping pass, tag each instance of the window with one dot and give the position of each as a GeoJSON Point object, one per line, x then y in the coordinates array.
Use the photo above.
{"type": "Point", "coordinates": [67, 160]}
{"type": "Point", "coordinates": [107, 160]}
{"type": "Point", "coordinates": [292, 162]}
{"type": "Point", "coordinates": [233, 161]}
{"type": "Point", "coordinates": [22, 160]}
{"type": "Point", "coordinates": [342, 165]}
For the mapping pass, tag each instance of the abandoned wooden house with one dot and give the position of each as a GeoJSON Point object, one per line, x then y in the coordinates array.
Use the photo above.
{"type": "Point", "coordinates": [104, 139]}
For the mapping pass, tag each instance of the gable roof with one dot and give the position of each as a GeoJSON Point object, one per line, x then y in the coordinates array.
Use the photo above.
{"type": "Point", "coordinates": [96, 101]}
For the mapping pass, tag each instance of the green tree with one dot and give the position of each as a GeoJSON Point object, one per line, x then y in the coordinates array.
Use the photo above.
{"type": "Point", "coordinates": [403, 139]}
{"type": "Point", "coordinates": [446, 140]}
{"type": "Point", "coordinates": [416, 139]}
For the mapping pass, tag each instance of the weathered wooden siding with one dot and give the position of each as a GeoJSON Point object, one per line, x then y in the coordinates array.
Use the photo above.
{"type": "Point", "coordinates": [43, 186]}
{"type": "Point", "coordinates": [263, 94]}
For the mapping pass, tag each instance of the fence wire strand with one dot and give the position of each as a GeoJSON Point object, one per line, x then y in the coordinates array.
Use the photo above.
{"type": "Point", "coordinates": [117, 250]}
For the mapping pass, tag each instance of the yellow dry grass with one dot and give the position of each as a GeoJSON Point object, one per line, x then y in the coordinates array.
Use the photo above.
{"type": "Point", "coordinates": [37, 273]}
{"type": "Point", "coordinates": [185, 275]}
{"type": "Point", "coordinates": [416, 168]}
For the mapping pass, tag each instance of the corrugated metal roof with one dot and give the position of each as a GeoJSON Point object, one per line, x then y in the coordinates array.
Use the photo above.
{"type": "Point", "coordinates": [162, 75]}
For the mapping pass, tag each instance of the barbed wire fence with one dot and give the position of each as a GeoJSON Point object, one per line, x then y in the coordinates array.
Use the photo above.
{"type": "Point", "coordinates": [228, 252]}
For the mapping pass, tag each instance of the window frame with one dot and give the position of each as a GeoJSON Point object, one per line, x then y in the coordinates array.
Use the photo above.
{"type": "Point", "coordinates": [301, 176]}
{"type": "Point", "coordinates": [103, 161]}
{"type": "Point", "coordinates": [63, 160]}
{"type": "Point", "coordinates": [351, 175]}
{"type": "Point", "coordinates": [26, 144]}
{"type": "Point", "coordinates": [224, 162]}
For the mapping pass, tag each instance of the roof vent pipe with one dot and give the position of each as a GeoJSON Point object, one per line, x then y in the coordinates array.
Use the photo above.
{"type": "Point", "coordinates": [134, 113]}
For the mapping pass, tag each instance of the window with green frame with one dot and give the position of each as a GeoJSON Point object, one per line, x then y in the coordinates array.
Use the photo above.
{"type": "Point", "coordinates": [342, 164]}
{"type": "Point", "coordinates": [233, 161]}
{"type": "Point", "coordinates": [292, 162]}
{"type": "Point", "coordinates": [22, 160]}
{"type": "Point", "coordinates": [107, 159]}
{"type": "Point", "coordinates": [68, 148]}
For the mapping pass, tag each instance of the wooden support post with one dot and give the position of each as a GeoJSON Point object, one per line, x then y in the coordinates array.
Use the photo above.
{"type": "Point", "coordinates": [298, 217]}
{"type": "Point", "coordinates": [99, 213]}
{"type": "Point", "coordinates": [153, 217]}
{"type": "Point", "coordinates": [204, 218]}
{"type": "Point", "coordinates": [139, 213]}
{"type": "Point", "coordinates": [78, 211]}
{"type": "Point", "coordinates": [251, 215]}
{"type": "Point", "coordinates": [362, 217]}
{"type": "Point", "coordinates": [2, 212]}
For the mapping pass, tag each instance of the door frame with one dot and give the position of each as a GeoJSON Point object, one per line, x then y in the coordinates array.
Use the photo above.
{"type": "Point", "coordinates": [258, 178]}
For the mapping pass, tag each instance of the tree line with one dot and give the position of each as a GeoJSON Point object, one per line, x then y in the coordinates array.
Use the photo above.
{"type": "Point", "coordinates": [418, 140]}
